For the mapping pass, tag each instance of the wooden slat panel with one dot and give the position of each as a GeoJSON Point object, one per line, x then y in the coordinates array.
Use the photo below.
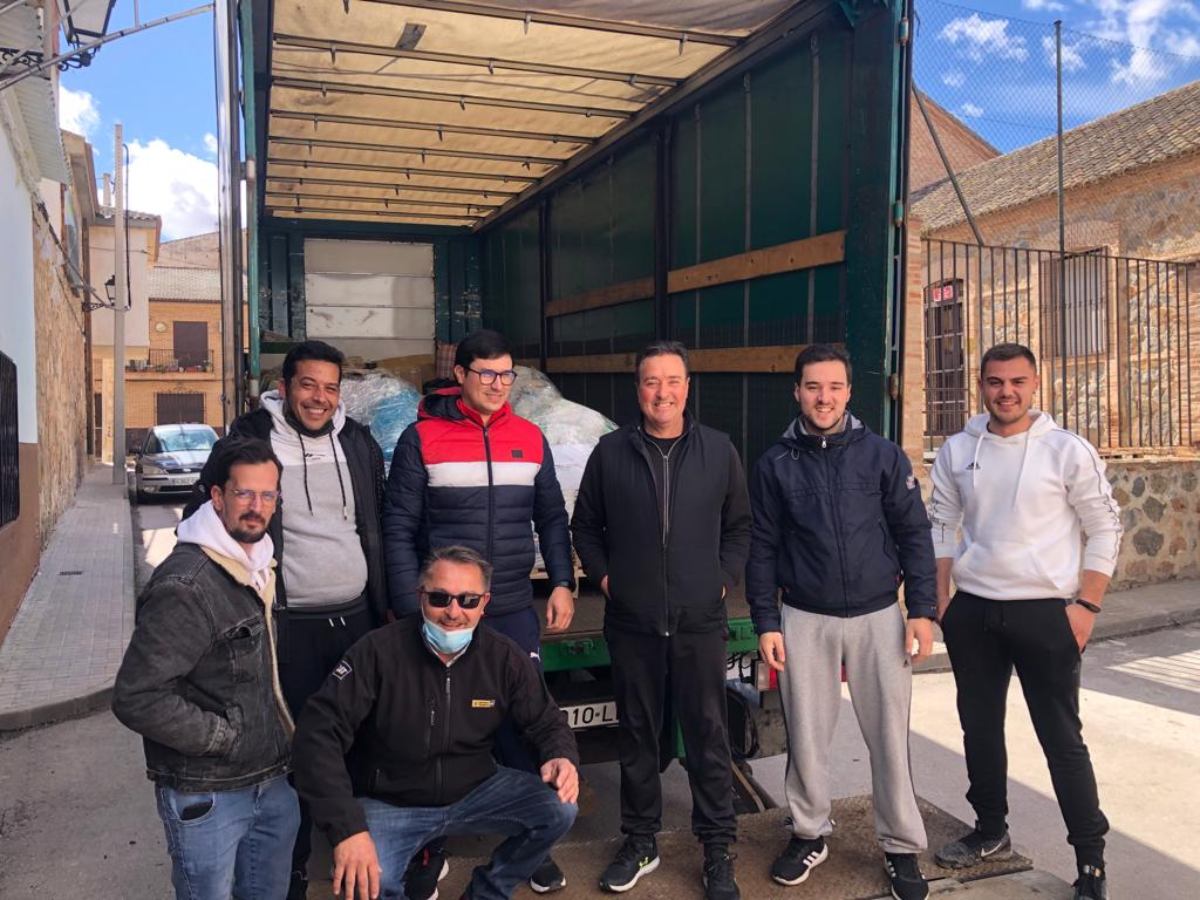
{"type": "Point", "coordinates": [717, 359]}
{"type": "Point", "coordinates": [822, 250]}
{"type": "Point", "coordinates": [808, 253]}
{"type": "Point", "coordinates": [624, 292]}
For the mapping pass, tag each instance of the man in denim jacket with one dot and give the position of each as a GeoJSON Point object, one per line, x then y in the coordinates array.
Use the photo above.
{"type": "Point", "coordinates": [199, 682]}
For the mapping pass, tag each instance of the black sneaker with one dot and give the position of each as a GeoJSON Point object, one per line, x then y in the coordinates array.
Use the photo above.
{"type": "Point", "coordinates": [425, 870]}
{"type": "Point", "coordinates": [298, 885]}
{"type": "Point", "coordinates": [907, 881]}
{"type": "Point", "coordinates": [973, 849]}
{"type": "Point", "coordinates": [638, 856]}
{"type": "Point", "coordinates": [1091, 884]}
{"type": "Point", "coordinates": [718, 880]}
{"type": "Point", "coordinates": [798, 859]}
{"type": "Point", "coordinates": [547, 878]}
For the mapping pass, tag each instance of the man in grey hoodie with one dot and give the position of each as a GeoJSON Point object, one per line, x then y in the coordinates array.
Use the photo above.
{"type": "Point", "coordinates": [1040, 535]}
{"type": "Point", "coordinates": [332, 587]}
{"type": "Point", "coordinates": [199, 683]}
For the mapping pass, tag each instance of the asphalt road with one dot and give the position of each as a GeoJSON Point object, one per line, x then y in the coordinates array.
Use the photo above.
{"type": "Point", "coordinates": [77, 815]}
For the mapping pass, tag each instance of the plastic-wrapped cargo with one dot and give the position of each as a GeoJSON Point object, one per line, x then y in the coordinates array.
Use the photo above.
{"type": "Point", "coordinates": [384, 403]}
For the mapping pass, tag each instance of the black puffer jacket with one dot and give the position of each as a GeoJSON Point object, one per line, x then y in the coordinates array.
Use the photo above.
{"type": "Point", "coordinates": [664, 577]}
{"type": "Point", "coordinates": [838, 524]}
{"type": "Point", "coordinates": [364, 460]}
{"type": "Point", "coordinates": [196, 681]}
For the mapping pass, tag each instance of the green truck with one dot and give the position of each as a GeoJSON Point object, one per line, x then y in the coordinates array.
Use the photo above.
{"type": "Point", "coordinates": [732, 175]}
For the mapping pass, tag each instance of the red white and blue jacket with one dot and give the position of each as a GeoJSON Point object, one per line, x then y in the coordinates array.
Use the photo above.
{"type": "Point", "coordinates": [456, 481]}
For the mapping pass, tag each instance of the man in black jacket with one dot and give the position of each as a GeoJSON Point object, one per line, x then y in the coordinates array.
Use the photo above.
{"type": "Point", "coordinates": [662, 523]}
{"type": "Point", "coordinates": [395, 750]}
{"type": "Point", "coordinates": [333, 483]}
{"type": "Point", "coordinates": [838, 524]}
{"type": "Point", "coordinates": [199, 683]}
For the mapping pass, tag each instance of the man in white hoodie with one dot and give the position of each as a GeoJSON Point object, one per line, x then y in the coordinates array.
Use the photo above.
{"type": "Point", "coordinates": [199, 682]}
{"type": "Point", "coordinates": [1039, 538]}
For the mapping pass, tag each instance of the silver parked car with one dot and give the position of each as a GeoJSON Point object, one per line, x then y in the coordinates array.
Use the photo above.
{"type": "Point", "coordinates": [170, 459]}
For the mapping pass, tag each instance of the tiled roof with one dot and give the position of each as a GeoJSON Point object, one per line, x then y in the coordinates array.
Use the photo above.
{"type": "Point", "coordinates": [171, 283]}
{"type": "Point", "coordinates": [1162, 128]}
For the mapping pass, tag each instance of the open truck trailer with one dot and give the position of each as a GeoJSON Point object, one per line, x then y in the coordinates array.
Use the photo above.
{"type": "Point", "coordinates": [584, 176]}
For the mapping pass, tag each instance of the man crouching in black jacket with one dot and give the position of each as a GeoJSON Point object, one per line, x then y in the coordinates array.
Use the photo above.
{"type": "Point", "coordinates": [395, 750]}
{"type": "Point", "coordinates": [662, 522]}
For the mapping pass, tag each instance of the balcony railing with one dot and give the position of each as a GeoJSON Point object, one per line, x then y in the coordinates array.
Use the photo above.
{"type": "Point", "coordinates": [172, 360]}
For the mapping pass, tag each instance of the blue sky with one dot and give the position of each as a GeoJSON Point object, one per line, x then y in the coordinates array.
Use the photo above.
{"type": "Point", "coordinates": [993, 73]}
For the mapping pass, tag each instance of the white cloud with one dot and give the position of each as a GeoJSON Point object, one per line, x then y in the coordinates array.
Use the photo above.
{"type": "Point", "coordinates": [1143, 24]}
{"type": "Point", "coordinates": [979, 38]}
{"type": "Point", "coordinates": [954, 78]}
{"type": "Point", "coordinates": [971, 110]}
{"type": "Point", "coordinates": [210, 143]}
{"type": "Point", "coordinates": [77, 111]}
{"type": "Point", "coordinates": [178, 186]}
{"type": "Point", "coordinates": [1043, 5]}
{"type": "Point", "coordinates": [1072, 58]}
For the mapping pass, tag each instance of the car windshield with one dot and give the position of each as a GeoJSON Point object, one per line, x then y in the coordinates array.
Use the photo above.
{"type": "Point", "coordinates": [188, 439]}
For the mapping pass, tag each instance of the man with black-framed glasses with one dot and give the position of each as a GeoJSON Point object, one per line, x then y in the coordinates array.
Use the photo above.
{"type": "Point", "coordinates": [472, 472]}
{"type": "Point", "coordinates": [396, 749]}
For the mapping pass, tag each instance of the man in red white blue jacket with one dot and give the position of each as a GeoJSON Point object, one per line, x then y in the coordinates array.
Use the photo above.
{"type": "Point", "coordinates": [473, 473]}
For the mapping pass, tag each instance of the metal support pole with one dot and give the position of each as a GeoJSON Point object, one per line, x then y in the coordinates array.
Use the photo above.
{"type": "Point", "coordinates": [229, 207]}
{"type": "Point", "coordinates": [252, 151]}
{"type": "Point", "coordinates": [120, 298]}
{"type": "Point", "coordinates": [1062, 223]}
{"type": "Point", "coordinates": [937, 143]}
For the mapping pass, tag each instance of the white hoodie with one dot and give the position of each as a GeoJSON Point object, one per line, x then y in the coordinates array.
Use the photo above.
{"type": "Point", "coordinates": [1026, 504]}
{"type": "Point", "coordinates": [204, 527]}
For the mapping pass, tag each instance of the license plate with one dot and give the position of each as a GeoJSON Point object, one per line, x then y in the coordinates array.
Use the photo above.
{"type": "Point", "coordinates": [592, 715]}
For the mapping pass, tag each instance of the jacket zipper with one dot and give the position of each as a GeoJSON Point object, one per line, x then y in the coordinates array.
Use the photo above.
{"type": "Point", "coordinates": [445, 735]}
{"type": "Point", "coordinates": [666, 533]}
{"type": "Point", "coordinates": [837, 524]}
{"type": "Point", "coordinates": [491, 526]}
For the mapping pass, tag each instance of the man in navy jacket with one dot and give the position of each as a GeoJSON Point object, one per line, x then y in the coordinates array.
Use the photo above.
{"type": "Point", "coordinates": [838, 524]}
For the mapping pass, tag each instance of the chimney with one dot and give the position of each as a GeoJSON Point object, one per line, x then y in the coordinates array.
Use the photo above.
{"type": "Point", "coordinates": [107, 200]}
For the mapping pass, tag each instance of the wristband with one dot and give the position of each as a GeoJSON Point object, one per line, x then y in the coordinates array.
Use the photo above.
{"type": "Point", "coordinates": [1091, 607]}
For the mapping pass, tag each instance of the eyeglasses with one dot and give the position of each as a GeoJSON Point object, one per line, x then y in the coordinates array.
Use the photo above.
{"type": "Point", "coordinates": [247, 496]}
{"type": "Point", "coordinates": [441, 599]}
{"type": "Point", "coordinates": [489, 376]}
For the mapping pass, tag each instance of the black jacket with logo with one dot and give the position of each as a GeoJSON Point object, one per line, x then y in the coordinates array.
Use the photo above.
{"type": "Point", "coordinates": [395, 723]}
{"type": "Point", "coordinates": [838, 525]}
{"type": "Point", "coordinates": [666, 571]}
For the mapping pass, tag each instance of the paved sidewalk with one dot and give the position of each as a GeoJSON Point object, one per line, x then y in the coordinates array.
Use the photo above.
{"type": "Point", "coordinates": [63, 650]}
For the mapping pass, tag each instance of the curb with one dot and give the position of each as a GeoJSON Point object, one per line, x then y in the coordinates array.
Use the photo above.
{"type": "Point", "coordinates": [1151, 622]}
{"type": "Point", "coordinates": [58, 711]}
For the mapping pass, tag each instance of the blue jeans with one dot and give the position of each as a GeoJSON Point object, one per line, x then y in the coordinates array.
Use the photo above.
{"type": "Point", "coordinates": [511, 803]}
{"type": "Point", "coordinates": [231, 843]}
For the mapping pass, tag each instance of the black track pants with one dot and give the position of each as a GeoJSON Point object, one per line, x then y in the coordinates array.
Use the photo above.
{"type": "Point", "coordinates": [986, 640]}
{"type": "Point", "coordinates": [688, 671]}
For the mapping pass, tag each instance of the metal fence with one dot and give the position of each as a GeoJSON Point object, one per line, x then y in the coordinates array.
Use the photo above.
{"type": "Point", "coordinates": [1115, 338]}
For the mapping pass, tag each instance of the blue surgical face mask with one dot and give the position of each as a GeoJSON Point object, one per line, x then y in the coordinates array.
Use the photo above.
{"type": "Point", "coordinates": [448, 642]}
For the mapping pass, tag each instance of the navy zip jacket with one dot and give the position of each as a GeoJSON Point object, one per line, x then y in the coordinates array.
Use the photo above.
{"type": "Point", "coordinates": [456, 481]}
{"type": "Point", "coordinates": [838, 525]}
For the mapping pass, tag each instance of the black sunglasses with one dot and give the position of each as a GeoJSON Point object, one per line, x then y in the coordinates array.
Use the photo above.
{"type": "Point", "coordinates": [441, 599]}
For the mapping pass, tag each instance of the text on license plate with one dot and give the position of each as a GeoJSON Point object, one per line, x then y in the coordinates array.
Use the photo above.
{"type": "Point", "coordinates": [592, 715]}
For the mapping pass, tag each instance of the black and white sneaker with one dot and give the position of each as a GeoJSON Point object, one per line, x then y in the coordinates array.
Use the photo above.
{"type": "Point", "coordinates": [905, 874]}
{"type": "Point", "coordinates": [798, 859]}
{"type": "Point", "coordinates": [973, 849]}
{"type": "Point", "coordinates": [547, 878]}
{"type": "Point", "coordinates": [425, 870]}
{"type": "Point", "coordinates": [718, 880]}
{"type": "Point", "coordinates": [638, 856]}
{"type": "Point", "coordinates": [1092, 884]}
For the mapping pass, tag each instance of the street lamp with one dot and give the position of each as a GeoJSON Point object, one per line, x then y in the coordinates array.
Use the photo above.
{"type": "Point", "coordinates": [110, 288]}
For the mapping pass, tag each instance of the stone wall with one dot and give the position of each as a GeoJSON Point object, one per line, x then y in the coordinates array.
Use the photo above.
{"type": "Point", "coordinates": [61, 378]}
{"type": "Point", "coordinates": [1160, 511]}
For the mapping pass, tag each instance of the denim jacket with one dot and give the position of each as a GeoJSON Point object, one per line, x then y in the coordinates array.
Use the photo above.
{"type": "Point", "coordinates": [199, 681]}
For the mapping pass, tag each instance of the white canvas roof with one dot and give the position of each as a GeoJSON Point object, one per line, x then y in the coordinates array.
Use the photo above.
{"type": "Point", "coordinates": [440, 111]}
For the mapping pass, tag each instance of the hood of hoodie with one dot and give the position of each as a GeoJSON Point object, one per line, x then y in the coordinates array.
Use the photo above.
{"type": "Point", "coordinates": [977, 428]}
{"type": "Point", "coordinates": [447, 403]}
{"type": "Point", "coordinates": [272, 401]}
{"type": "Point", "coordinates": [795, 435]}
{"type": "Point", "coordinates": [253, 568]}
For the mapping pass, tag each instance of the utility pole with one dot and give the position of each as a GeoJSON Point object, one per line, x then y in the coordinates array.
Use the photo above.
{"type": "Point", "coordinates": [119, 298]}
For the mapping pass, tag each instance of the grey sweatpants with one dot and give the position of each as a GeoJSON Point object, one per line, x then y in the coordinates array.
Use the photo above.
{"type": "Point", "coordinates": [880, 679]}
